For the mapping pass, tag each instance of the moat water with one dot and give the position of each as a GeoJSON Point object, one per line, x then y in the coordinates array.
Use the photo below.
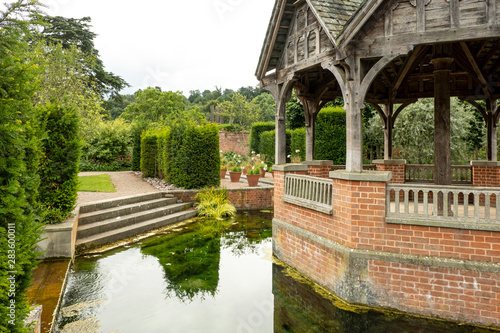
{"type": "Point", "coordinates": [191, 281]}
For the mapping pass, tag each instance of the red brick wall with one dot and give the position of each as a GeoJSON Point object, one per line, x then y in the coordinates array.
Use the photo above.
{"type": "Point", "coordinates": [320, 171]}
{"type": "Point", "coordinates": [234, 142]}
{"type": "Point", "coordinates": [358, 222]}
{"type": "Point", "coordinates": [486, 176]}
{"type": "Point", "coordinates": [256, 198]}
{"type": "Point", "coordinates": [456, 294]}
{"type": "Point", "coordinates": [398, 172]}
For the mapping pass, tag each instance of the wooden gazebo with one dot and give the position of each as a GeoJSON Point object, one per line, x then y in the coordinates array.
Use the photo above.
{"type": "Point", "coordinates": [431, 249]}
{"type": "Point", "coordinates": [384, 53]}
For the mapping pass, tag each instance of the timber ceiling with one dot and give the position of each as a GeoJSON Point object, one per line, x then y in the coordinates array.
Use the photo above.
{"type": "Point", "coordinates": [475, 73]}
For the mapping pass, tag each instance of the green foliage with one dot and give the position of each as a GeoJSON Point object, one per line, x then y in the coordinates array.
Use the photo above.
{"type": "Point", "coordinates": [60, 163]}
{"type": "Point", "coordinates": [295, 116]}
{"type": "Point", "coordinates": [149, 154]}
{"type": "Point", "coordinates": [238, 111]}
{"type": "Point", "coordinates": [193, 156]}
{"type": "Point", "coordinates": [253, 171]}
{"type": "Point", "coordinates": [69, 32]}
{"type": "Point", "coordinates": [213, 203]}
{"type": "Point", "coordinates": [255, 133]}
{"type": "Point", "coordinates": [264, 107]}
{"type": "Point", "coordinates": [112, 144]}
{"type": "Point", "coordinates": [298, 144]}
{"type": "Point", "coordinates": [20, 146]}
{"type": "Point", "coordinates": [153, 106]}
{"type": "Point", "coordinates": [163, 141]}
{"type": "Point", "coordinates": [64, 81]}
{"type": "Point", "coordinates": [268, 144]}
{"type": "Point", "coordinates": [330, 137]}
{"type": "Point", "coordinates": [235, 169]}
{"type": "Point", "coordinates": [414, 132]}
{"type": "Point", "coordinates": [137, 129]}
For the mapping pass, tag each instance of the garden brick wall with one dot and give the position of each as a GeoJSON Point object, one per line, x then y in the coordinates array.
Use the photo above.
{"type": "Point", "coordinates": [436, 271]}
{"type": "Point", "coordinates": [486, 176]}
{"type": "Point", "coordinates": [236, 142]}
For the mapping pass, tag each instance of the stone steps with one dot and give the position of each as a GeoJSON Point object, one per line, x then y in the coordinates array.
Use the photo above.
{"type": "Point", "coordinates": [113, 220]}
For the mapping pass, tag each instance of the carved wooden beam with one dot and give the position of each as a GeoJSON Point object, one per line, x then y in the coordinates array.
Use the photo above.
{"type": "Point", "coordinates": [476, 68]}
{"type": "Point", "coordinates": [408, 65]}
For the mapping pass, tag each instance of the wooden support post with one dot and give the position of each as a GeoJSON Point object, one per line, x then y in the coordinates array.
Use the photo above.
{"type": "Point", "coordinates": [354, 133]}
{"type": "Point", "coordinates": [311, 109]}
{"type": "Point", "coordinates": [389, 127]}
{"type": "Point", "coordinates": [280, 152]}
{"type": "Point", "coordinates": [491, 126]}
{"type": "Point", "coordinates": [442, 136]}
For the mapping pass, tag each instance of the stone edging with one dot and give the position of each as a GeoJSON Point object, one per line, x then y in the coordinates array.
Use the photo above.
{"type": "Point", "coordinates": [427, 261]}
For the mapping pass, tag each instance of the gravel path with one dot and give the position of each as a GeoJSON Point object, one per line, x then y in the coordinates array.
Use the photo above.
{"type": "Point", "coordinates": [126, 184]}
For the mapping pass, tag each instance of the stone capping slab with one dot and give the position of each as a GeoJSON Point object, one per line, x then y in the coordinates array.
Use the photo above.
{"type": "Point", "coordinates": [389, 162]}
{"type": "Point", "coordinates": [410, 259]}
{"type": "Point", "coordinates": [290, 167]}
{"type": "Point", "coordinates": [365, 176]}
{"type": "Point", "coordinates": [309, 204]}
{"type": "Point", "coordinates": [318, 163]}
{"type": "Point", "coordinates": [485, 163]}
{"type": "Point", "coordinates": [445, 224]}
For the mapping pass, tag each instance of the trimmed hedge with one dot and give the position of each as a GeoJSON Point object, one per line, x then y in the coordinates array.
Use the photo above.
{"type": "Point", "coordinates": [137, 130]}
{"type": "Point", "coordinates": [255, 133]}
{"type": "Point", "coordinates": [268, 144]}
{"type": "Point", "coordinates": [186, 155]}
{"type": "Point", "coordinates": [149, 152]}
{"type": "Point", "coordinates": [330, 137]}
{"type": "Point", "coordinates": [298, 142]}
{"type": "Point", "coordinates": [60, 163]}
{"type": "Point", "coordinates": [193, 159]}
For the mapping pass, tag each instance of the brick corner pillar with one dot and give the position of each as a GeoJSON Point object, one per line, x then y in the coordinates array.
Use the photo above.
{"type": "Point", "coordinates": [359, 202]}
{"type": "Point", "coordinates": [397, 167]}
{"type": "Point", "coordinates": [485, 173]}
{"type": "Point", "coordinates": [320, 169]}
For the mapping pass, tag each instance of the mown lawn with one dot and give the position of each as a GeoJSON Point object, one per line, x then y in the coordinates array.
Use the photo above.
{"type": "Point", "coordinates": [97, 183]}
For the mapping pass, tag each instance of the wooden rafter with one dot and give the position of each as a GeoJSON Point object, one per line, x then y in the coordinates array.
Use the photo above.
{"type": "Point", "coordinates": [475, 67]}
{"type": "Point", "coordinates": [408, 65]}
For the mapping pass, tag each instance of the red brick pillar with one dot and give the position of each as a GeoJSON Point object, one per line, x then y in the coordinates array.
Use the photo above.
{"type": "Point", "coordinates": [320, 169]}
{"type": "Point", "coordinates": [359, 205]}
{"type": "Point", "coordinates": [397, 167]}
{"type": "Point", "coordinates": [485, 173]}
{"type": "Point", "coordinates": [279, 186]}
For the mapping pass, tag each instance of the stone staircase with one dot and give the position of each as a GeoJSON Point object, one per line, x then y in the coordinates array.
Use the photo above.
{"type": "Point", "coordinates": [113, 220]}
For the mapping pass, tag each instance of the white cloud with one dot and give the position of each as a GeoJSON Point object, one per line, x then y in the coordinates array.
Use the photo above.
{"type": "Point", "coordinates": [178, 45]}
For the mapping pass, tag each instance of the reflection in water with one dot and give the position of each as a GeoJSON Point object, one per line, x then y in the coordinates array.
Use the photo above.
{"type": "Point", "coordinates": [187, 282]}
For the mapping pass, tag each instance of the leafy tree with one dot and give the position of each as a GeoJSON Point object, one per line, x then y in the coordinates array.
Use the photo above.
{"type": "Point", "coordinates": [152, 105]}
{"type": "Point", "coordinates": [20, 147]}
{"type": "Point", "coordinates": [115, 106]}
{"type": "Point", "coordinates": [295, 116]}
{"type": "Point", "coordinates": [72, 32]}
{"type": "Point", "coordinates": [238, 111]}
{"type": "Point", "coordinates": [264, 107]}
{"type": "Point", "coordinates": [65, 81]}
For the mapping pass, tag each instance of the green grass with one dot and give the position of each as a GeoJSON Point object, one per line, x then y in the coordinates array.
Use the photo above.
{"type": "Point", "coordinates": [98, 183]}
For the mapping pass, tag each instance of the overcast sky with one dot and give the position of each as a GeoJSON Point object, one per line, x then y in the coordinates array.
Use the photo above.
{"type": "Point", "coordinates": [177, 45]}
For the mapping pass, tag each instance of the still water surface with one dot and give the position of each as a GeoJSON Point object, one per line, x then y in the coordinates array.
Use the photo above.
{"type": "Point", "coordinates": [187, 282]}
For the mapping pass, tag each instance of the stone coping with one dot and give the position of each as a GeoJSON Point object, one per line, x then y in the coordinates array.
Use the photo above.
{"type": "Point", "coordinates": [369, 176]}
{"type": "Point", "coordinates": [389, 162]}
{"type": "Point", "coordinates": [67, 225]}
{"type": "Point", "coordinates": [290, 167]}
{"type": "Point", "coordinates": [485, 163]}
{"type": "Point", "coordinates": [318, 163]}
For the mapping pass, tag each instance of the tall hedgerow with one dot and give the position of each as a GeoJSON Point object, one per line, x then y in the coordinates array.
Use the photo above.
{"type": "Point", "coordinates": [19, 161]}
{"type": "Point", "coordinates": [60, 163]}
{"type": "Point", "coordinates": [149, 153]}
{"type": "Point", "coordinates": [268, 143]}
{"type": "Point", "coordinates": [298, 143]}
{"type": "Point", "coordinates": [330, 138]}
{"type": "Point", "coordinates": [194, 159]}
{"type": "Point", "coordinates": [162, 143]}
{"type": "Point", "coordinates": [255, 133]}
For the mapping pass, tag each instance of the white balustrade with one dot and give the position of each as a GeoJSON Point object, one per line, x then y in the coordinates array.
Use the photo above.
{"type": "Point", "coordinates": [310, 192]}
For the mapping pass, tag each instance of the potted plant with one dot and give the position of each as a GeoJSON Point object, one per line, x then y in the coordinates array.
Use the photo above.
{"type": "Point", "coordinates": [253, 175]}
{"type": "Point", "coordinates": [244, 167]}
{"type": "Point", "coordinates": [223, 170]}
{"type": "Point", "coordinates": [263, 169]}
{"type": "Point", "coordinates": [235, 174]}
{"type": "Point", "coordinates": [271, 171]}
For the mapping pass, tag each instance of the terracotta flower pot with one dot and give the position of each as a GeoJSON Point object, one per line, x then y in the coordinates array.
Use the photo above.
{"type": "Point", "coordinates": [235, 176]}
{"type": "Point", "coordinates": [244, 170]}
{"type": "Point", "coordinates": [223, 173]}
{"type": "Point", "coordinates": [253, 180]}
{"type": "Point", "coordinates": [262, 173]}
{"type": "Point", "coordinates": [272, 173]}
